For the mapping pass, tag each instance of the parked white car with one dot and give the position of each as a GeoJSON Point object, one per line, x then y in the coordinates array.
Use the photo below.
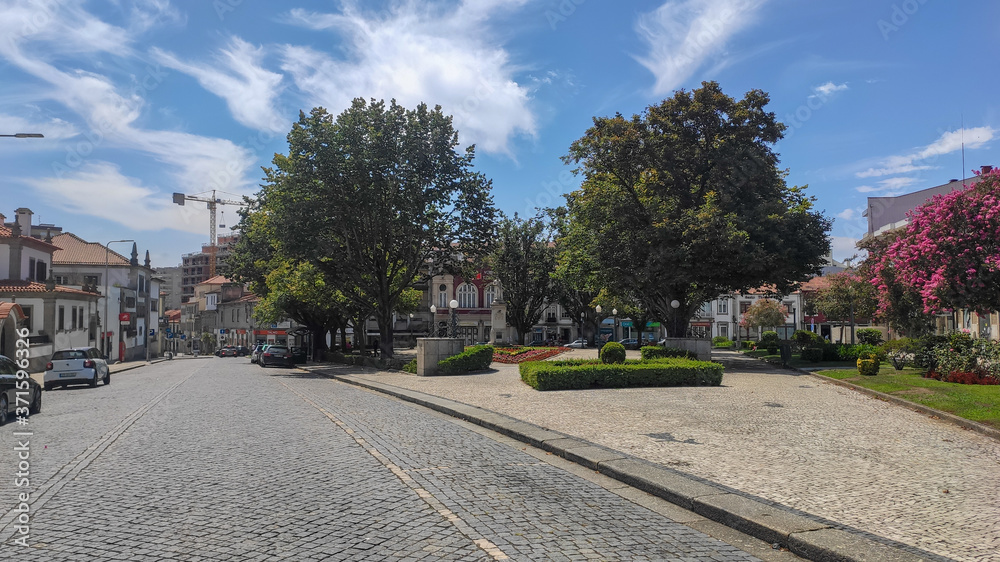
{"type": "Point", "coordinates": [577, 343]}
{"type": "Point", "coordinates": [78, 365]}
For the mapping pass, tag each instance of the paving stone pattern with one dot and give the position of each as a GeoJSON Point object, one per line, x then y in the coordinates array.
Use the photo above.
{"type": "Point", "coordinates": [785, 437]}
{"type": "Point", "coordinates": [221, 460]}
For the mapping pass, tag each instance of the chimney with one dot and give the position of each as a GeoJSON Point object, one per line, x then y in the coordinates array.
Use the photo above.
{"type": "Point", "coordinates": [987, 169]}
{"type": "Point", "coordinates": [3, 219]}
{"type": "Point", "coordinates": [24, 219]}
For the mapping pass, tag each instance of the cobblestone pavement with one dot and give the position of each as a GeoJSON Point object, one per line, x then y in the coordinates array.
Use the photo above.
{"type": "Point", "coordinates": [221, 460]}
{"type": "Point", "coordinates": [782, 436]}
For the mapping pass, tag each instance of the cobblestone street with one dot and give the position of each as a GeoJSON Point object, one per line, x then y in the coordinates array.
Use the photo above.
{"type": "Point", "coordinates": [783, 436]}
{"type": "Point", "coordinates": [217, 459]}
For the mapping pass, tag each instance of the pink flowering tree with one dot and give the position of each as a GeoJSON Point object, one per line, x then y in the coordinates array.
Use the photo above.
{"type": "Point", "coordinates": [950, 252]}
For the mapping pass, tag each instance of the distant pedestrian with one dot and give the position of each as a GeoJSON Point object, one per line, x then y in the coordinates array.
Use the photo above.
{"type": "Point", "coordinates": [374, 348]}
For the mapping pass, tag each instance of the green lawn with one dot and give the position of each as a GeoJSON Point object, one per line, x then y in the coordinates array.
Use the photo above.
{"type": "Point", "coordinates": [980, 403]}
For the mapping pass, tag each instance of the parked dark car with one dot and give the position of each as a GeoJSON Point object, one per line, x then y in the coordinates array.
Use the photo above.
{"type": "Point", "coordinates": [242, 351]}
{"type": "Point", "coordinates": [10, 386]}
{"type": "Point", "coordinates": [276, 355]}
{"type": "Point", "coordinates": [299, 355]}
{"type": "Point", "coordinates": [630, 343]}
{"type": "Point", "coordinates": [228, 351]}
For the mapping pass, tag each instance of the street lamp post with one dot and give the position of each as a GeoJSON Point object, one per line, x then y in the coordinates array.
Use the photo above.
{"type": "Point", "coordinates": [453, 305]}
{"type": "Point", "coordinates": [614, 332]}
{"type": "Point", "coordinates": [597, 324]}
{"type": "Point", "coordinates": [107, 295]}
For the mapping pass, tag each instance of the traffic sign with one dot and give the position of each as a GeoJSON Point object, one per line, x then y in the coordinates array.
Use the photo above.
{"type": "Point", "coordinates": [124, 317]}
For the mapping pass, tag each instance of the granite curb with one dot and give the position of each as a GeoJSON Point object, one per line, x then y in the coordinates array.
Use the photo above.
{"type": "Point", "coordinates": [803, 536]}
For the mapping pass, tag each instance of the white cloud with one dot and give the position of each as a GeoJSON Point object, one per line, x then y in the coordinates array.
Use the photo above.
{"type": "Point", "coordinates": [847, 214]}
{"type": "Point", "coordinates": [109, 113]}
{"type": "Point", "coordinates": [947, 143]}
{"type": "Point", "coordinates": [100, 189]}
{"type": "Point", "coordinates": [844, 247]}
{"type": "Point", "coordinates": [828, 89]}
{"type": "Point", "coordinates": [420, 54]}
{"type": "Point", "coordinates": [683, 34]}
{"type": "Point", "coordinates": [237, 76]}
{"type": "Point", "coordinates": [891, 185]}
{"type": "Point", "coordinates": [53, 129]}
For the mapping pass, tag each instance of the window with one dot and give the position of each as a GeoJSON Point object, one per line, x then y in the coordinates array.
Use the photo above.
{"type": "Point", "coordinates": [443, 296]}
{"type": "Point", "coordinates": [62, 318]}
{"type": "Point", "coordinates": [62, 280]}
{"type": "Point", "coordinates": [467, 294]}
{"type": "Point", "coordinates": [154, 305]}
{"type": "Point", "coordinates": [74, 318]}
{"type": "Point", "coordinates": [91, 279]}
{"type": "Point", "coordinates": [723, 306]}
{"type": "Point", "coordinates": [129, 302]}
{"type": "Point", "coordinates": [744, 306]}
{"type": "Point", "coordinates": [41, 270]}
{"type": "Point", "coordinates": [142, 283]}
{"type": "Point", "coordinates": [724, 330]}
{"type": "Point", "coordinates": [489, 295]}
{"type": "Point", "coordinates": [27, 316]}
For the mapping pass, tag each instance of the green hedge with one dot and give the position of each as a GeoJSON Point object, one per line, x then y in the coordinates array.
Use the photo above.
{"type": "Point", "coordinates": [650, 352]}
{"type": "Point", "coordinates": [812, 354]}
{"type": "Point", "coordinates": [364, 361]}
{"type": "Point", "coordinates": [475, 358]}
{"type": "Point", "coordinates": [410, 367]}
{"type": "Point", "coordinates": [565, 375]}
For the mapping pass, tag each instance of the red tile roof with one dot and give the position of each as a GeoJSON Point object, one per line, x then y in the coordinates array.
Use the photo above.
{"type": "Point", "coordinates": [18, 286]}
{"type": "Point", "coordinates": [816, 284]}
{"type": "Point", "coordinates": [75, 250]}
{"type": "Point", "coordinates": [5, 232]}
{"type": "Point", "coordinates": [217, 280]}
{"type": "Point", "coordinates": [7, 307]}
{"type": "Point", "coordinates": [172, 315]}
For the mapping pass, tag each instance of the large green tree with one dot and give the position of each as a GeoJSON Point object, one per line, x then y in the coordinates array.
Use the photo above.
{"type": "Point", "coordinates": [848, 297]}
{"type": "Point", "coordinates": [523, 260]}
{"type": "Point", "coordinates": [686, 202]}
{"type": "Point", "coordinates": [372, 196]}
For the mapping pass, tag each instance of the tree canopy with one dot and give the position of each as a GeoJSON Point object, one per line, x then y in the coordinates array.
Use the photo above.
{"type": "Point", "coordinates": [685, 202]}
{"type": "Point", "coordinates": [949, 252]}
{"type": "Point", "coordinates": [764, 313]}
{"type": "Point", "coordinates": [371, 197]}
{"type": "Point", "coordinates": [523, 261]}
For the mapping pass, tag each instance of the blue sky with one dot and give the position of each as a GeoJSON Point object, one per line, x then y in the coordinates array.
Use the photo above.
{"type": "Point", "coordinates": [142, 98]}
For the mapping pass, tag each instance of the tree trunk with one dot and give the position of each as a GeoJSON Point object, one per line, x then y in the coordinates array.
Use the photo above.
{"type": "Point", "coordinates": [318, 342]}
{"type": "Point", "coordinates": [385, 334]}
{"type": "Point", "coordinates": [343, 337]}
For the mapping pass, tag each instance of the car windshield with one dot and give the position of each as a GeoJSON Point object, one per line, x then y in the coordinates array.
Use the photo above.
{"type": "Point", "coordinates": [277, 349]}
{"type": "Point", "coordinates": [69, 354]}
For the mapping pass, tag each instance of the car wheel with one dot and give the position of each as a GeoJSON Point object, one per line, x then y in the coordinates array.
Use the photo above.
{"type": "Point", "coordinates": [107, 378]}
{"type": "Point", "coordinates": [93, 382]}
{"type": "Point", "coordinates": [36, 404]}
{"type": "Point", "coordinates": [3, 409]}
{"type": "Point", "coordinates": [48, 386]}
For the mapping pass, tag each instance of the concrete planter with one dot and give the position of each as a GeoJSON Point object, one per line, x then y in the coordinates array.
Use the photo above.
{"type": "Point", "coordinates": [700, 346]}
{"type": "Point", "coordinates": [430, 352]}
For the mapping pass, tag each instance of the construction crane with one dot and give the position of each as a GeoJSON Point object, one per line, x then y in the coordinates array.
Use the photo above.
{"type": "Point", "coordinates": [212, 202]}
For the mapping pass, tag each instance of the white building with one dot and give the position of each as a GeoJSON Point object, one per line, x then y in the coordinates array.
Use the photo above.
{"type": "Point", "coordinates": [130, 318]}
{"type": "Point", "coordinates": [57, 317]}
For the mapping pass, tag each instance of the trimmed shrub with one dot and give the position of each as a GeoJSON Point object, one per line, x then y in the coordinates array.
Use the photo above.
{"type": "Point", "coordinates": [554, 375]}
{"type": "Point", "coordinates": [769, 337]}
{"type": "Point", "coordinates": [722, 341]}
{"type": "Point", "coordinates": [870, 336]}
{"type": "Point", "coordinates": [475, 358]}
{"type": "Point", "coordinates": [850, 352]}
{"type": "Point", "coordinates": [805, 338]}
{"type": "Point", "coordinates": [747, 344]}
{"type": "Point", "coordinates": [831, 351]}
{"type": "Point", "coordinates": [411, 367]}
{"type": "Point", "coordinates": [613, 352]}
{"type": "Point", "coordinates": [812, 354]}
{"type": "Point", "coordinates": [899, 352]}
{"type": "Point", "coordinates": [924, 356]}
{"type": "Point", "coordinates": [868, 367]}
{"type": "Point", "coordinates": [650, 352]}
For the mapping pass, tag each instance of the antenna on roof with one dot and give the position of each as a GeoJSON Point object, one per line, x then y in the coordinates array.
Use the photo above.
{"type": "Point", "coordinates": [963, 152]}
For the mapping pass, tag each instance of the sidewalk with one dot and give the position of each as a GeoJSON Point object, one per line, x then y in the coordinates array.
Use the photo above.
{"type": "Point", "coordinates": [839, 456]}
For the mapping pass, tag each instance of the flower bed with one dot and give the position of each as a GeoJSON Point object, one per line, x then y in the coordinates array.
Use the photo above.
{"type": "Point", "coordinates": [515, 355]}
